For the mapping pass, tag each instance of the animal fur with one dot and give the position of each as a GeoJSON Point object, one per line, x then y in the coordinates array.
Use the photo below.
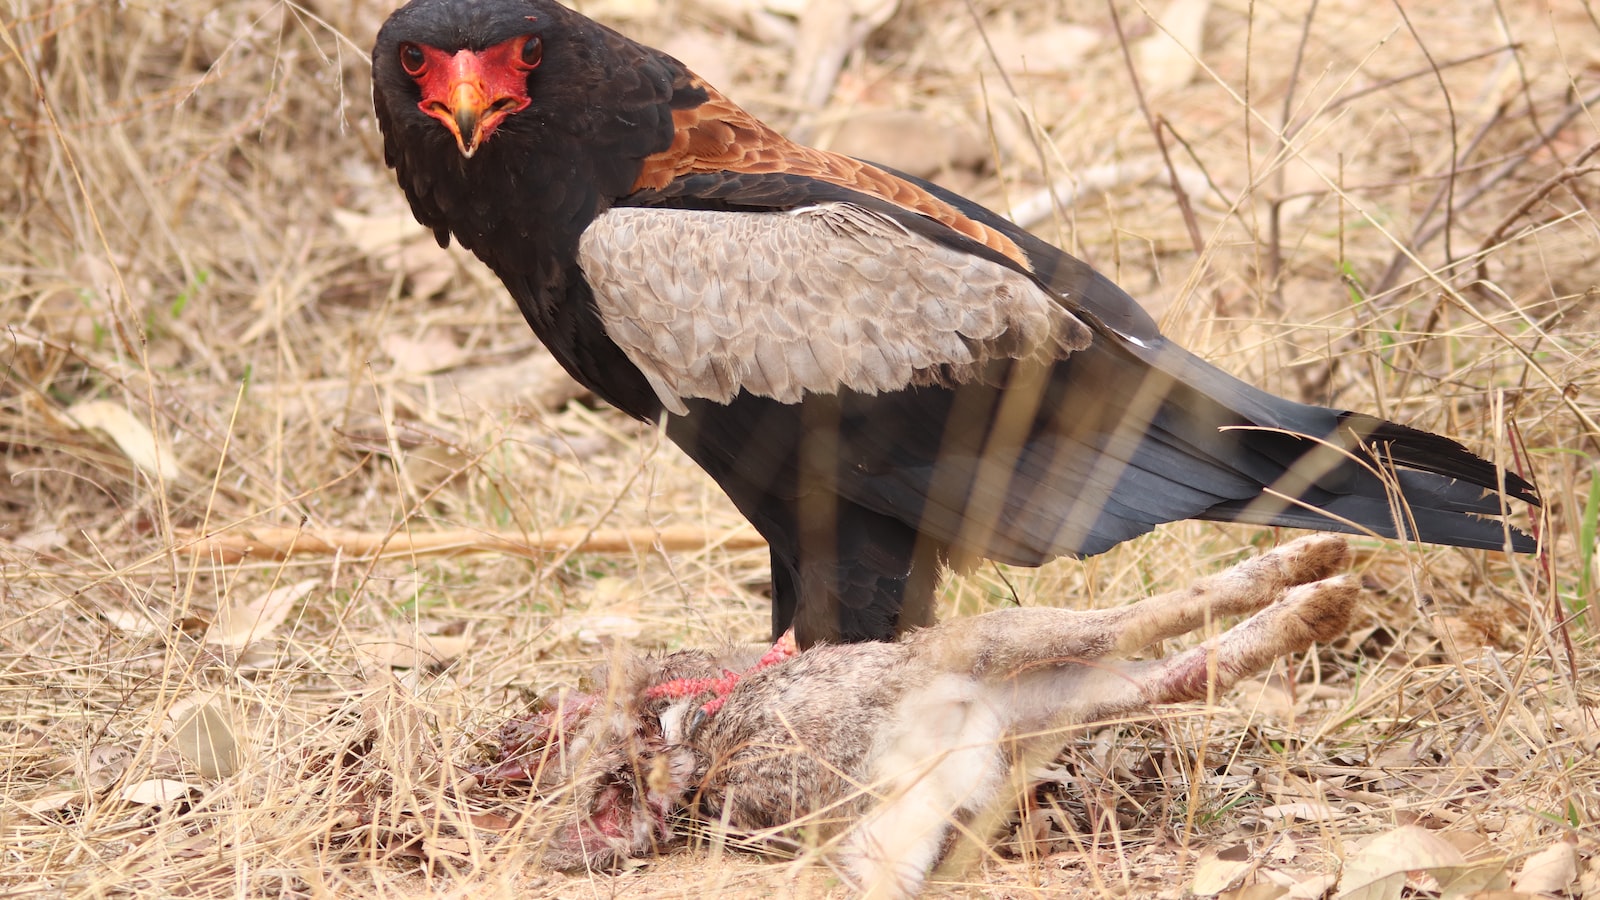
{"type": "Point", "coordinates": [883, 748]}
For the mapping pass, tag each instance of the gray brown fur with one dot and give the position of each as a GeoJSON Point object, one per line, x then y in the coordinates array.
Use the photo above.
{"type": "Point", "coordinates": [875, 307]}
{"type": "Point", "coordinates": [881, 747]}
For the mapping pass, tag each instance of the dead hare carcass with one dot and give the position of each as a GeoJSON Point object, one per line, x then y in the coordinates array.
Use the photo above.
{"type": "Point", "coordinates": [882, 748]}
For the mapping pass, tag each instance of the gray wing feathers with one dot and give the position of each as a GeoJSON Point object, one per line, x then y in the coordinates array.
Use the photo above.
{"type": "Point", "coordinates": [707, 303]}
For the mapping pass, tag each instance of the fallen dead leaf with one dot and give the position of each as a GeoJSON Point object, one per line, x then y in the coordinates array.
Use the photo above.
{"type": "Point", "coordinates": [1470, 843]}
{"type": "Point", "coordinates": [134, 622]}
{"type": "Point", "coordinates": [1549, 871]}
{"type": "Point", "coordinates": [413, 650]}
{"type": "Point", "coordinates": [243, 622]}
{"type": "Point", "coordinates": [132, 436]}
{"type": "Point", "coordinates": [449, 848]}
{"type": "Point", "coordinates": [105, 765]}
{"type": "Point", "coordinates": [1462, 638]}
{"type": "Point", "coordinates": [161, 792]}
{"type": "Point", "coordinates": [909, 140]}
{"type": "Point", "coordinates": [204, 735]}
{"type": "Point", "coordinates": [1167, 58]}
{"type": "Point", "coordinates": [1301, 885]}
{"type": "Point", "coordinates": [1270, 696]}
{"type": "Point", "coordinates": [1379, 870]}
{"type": "Point", "coordinates": [379, 234]}
{"type": "Point", "coordinates": [1255, 892]}
{"type": "Point", "coordinates": [1054, 49]}
{"type": "Point", "coordinates": [1589, 880]}
{"type": "Point", "coordinates": [41, 807]}
{"type": "Point", "coordinates": [830, 30]}
{"type": "Point", "coordinates": [435, 350]}
{"type": "Point", "coordinates": [40, 540]}
{"type": "Point", "coordinates": [1470, 881]}
{"type": "Point", "coordinates": [1213, 874]}
{"type": "Point", "coordinates": [599, 629]}
{"type": "Point", "coordinates": [535, 378]}
{"type": "Point", "coordinates": [1304, 811]}
{"type": "Point", "coordinates": [397, 243]}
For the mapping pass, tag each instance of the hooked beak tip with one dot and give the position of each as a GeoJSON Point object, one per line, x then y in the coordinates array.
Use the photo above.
{"type": "Point", "coordinates": [467, 134]}
{"type": "Point", "coordinates": [467, 129]}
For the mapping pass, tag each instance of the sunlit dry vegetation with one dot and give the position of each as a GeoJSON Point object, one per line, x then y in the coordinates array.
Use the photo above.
{"type": "Point", "coordinates": [225, 340]}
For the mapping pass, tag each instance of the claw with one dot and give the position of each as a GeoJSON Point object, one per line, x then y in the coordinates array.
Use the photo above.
{"type": "Point", "coordinates": [700, 717]}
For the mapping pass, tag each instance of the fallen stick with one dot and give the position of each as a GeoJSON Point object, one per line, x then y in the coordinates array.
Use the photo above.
{"type": "Point", "coordinates": [261, 542]}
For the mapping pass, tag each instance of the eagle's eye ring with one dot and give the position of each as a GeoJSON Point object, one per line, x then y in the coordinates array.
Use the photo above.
{"type": "Point", "coordinates": [533, 51]}
{"type": "Point", "coordinates": [412, 59]}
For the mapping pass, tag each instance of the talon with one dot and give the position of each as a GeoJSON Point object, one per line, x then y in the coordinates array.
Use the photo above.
{"type": "Point", "coordinates": [699, 718]}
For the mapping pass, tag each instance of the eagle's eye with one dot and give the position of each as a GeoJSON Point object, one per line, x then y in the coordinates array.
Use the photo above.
{"type": "Point", "coordinates": [533, 52]}
{"type": "Point", "coordinates": [412, 59]}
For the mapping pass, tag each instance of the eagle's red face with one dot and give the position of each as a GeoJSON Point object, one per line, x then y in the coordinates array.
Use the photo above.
{"type": "Point", "coordinates": [471, 93]}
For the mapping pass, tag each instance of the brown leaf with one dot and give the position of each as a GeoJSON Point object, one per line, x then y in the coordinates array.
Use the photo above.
{"type": "Point", "coordinates": [397, 243]}
{"type": "Point", "coordinates": [1304, 811]}
{"type": "Point", "coordinates": [1549, 871]}
{"type": "Point", "coordinates": [1461, 638]}
{"type": "Point", "coordinates": [1379, 870]}
{"type": "Point", "coordinates": [40, 540]}
{"type": "Point", "coordinates": [131, 435]}
{"type": "Point", "coordinates": [536, 378]}
{"type": "Point", "coordinates": [915, 142]}
{"type": "Point", "coordinates": [1054, 49]}
{"type": "Point", "coordinates": [46, 807]}
{"type": "Point", "coordinates": [1311, 887]}
{"type": "Point", "coordinates": [448, 848]}
{"type": "Point", "coordinates": [106, 764]}
{"type": "Point", "coordinates": [379, 235]}
{"type": "Point", "coordinates": [132, 621]}
{"type": "Point", "coordinates": [1256, 892]}
{"type": "Point", "coordinates": [435, 350]}
{"type": "Point", "coordinates": [1300, 885]}
{"type": "Point", "coordinates": [413, 650]}
{"type": "Point", "coordinates": [160, 792]}
{"type": "Point", "coordinates": [204, 734]}
{"type": "Point", "coordinates": [489, 821]}
{"type": "Point", "coordinates": [243, 622]}
{"type": "Point", "coordinates": [1167, 58]}
{"type": "Point", "coordinates": [1213, 874]}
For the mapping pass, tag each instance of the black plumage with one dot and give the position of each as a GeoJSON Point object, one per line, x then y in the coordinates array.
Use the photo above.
{"type": "Point", "coordinates": [993, 448]}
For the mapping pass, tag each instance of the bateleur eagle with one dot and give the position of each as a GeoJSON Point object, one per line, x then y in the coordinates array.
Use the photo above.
{"type": "Point", "coordinates": [884, 376]}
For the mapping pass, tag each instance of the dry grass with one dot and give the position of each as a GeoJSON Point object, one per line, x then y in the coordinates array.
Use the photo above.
{"type": "Point", "coordinates": [200, 239]}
